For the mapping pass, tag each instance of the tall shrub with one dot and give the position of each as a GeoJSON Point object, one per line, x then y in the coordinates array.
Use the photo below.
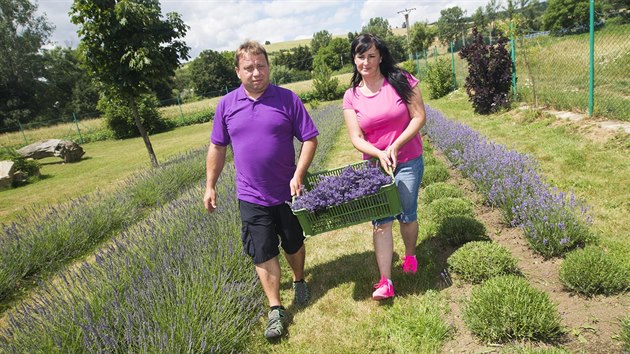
{"type": "Point", "coordinates": [489, 73]}
{"type": "Point", "coordinates": [119, 117]}
{"type": "Point", "coordinates": [325, 85]}
{"type": "Point", "coordinates": [439, 78]}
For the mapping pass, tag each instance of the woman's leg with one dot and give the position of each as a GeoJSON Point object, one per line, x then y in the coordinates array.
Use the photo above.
{"type": "Point", "coordinates": [384, 248]}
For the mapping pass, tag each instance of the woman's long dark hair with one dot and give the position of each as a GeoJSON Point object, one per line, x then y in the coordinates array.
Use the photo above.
{"type": "Point", "coordinates": [394, 75]}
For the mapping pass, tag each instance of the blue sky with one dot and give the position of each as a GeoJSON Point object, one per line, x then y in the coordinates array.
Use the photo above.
{"type": "Point", "coordinates": [223, 25]}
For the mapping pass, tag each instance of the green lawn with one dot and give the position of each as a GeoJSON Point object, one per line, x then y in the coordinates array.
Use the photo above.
{"type": "Point", "coordinates": [104, 164]}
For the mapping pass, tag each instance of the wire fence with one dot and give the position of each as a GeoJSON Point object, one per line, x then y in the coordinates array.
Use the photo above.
{"type": "Point", "coordinates": [555, 71]}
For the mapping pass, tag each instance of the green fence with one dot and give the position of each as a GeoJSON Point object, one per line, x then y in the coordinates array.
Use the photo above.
{"type": "Point", "coordinates": [580, 70]}
{"type": "Point", "coordinates": [555, 71]}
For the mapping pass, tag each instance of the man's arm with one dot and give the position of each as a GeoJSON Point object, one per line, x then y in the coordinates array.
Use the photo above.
{"type": "Point", "coordinates": [306, 157]}
{"type": "Point", "coordinates": [214, 165]}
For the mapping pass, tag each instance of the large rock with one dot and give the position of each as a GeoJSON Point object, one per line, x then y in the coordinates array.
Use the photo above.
{"type": "Point", "coordinates": [6, 173]}
{"type": "Point", "coordinates": [69, 151]}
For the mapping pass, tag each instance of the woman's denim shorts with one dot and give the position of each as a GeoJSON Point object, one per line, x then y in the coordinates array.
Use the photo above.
{"type": "Point", "coordinates": [408, 176]}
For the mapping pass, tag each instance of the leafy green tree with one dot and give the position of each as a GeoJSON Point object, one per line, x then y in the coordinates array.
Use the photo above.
{"type": "Point", "coordinates": [327, 57]}
{"type": "Point", "coordinates": [480, 20]}
{"type": "Point", "coordinates": [492, 8]}
{"type": "Point", "coordinates": [22, 34]}
{"type": "Point", "coordinates": [320, 40]}
{"type": "Point", "coordinates": [299, 58]}
{"type": "Point", "coordinates": [451, 24]}
{"type": "Point", "coordinates": [568, 14]}
{"type": "Point", "coordinates": [65, 81]}
{"type": "Point", "coordinates": [211, 73]}
{"type": "Point", "coordinates": [324, 83]}
{"type": "Point", "coordinates": [420, 36]}
{"type": "Point", "coordinates": [128, 48]}
{"type": "Point", "coordinates": [379, 27]}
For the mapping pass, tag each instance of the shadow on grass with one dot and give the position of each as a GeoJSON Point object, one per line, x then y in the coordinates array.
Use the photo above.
{"type": "Point", "coordinates": [360, 270]}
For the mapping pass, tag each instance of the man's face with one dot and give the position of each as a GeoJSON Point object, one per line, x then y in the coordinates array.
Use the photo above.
{"type": "Point", "coordinates": [253, 71]}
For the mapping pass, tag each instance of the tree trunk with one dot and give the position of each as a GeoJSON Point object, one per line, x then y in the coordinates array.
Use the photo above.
{"type": "Point", "coordinates": [143, 132]}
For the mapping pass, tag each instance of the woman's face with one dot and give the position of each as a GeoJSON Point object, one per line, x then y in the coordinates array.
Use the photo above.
{"type": "Point", "coordinates": [368, 62]}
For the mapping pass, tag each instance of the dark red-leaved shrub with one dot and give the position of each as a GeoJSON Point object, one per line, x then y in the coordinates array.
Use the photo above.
{"type": "Point", "coordinates": [489, 73]}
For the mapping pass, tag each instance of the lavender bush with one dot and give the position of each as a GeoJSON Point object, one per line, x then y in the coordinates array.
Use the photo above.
{"type": "Point", "coordinates": [43, 240]}
{"type": "Point", "coordinates": [177, 282]}
{"type": "Point", "coordinates": [553, 222]}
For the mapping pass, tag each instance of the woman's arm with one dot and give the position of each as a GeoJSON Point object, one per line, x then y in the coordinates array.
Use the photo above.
{"type": "Point", "coordinates": [418, 119]}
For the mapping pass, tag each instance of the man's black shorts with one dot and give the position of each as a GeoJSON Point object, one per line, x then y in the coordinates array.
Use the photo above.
{"type": "Point", "coordinates": [264, 229]}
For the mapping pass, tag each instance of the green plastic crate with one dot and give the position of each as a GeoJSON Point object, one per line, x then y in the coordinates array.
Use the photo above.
{"type": "Point", "coordinates": [382, 204]}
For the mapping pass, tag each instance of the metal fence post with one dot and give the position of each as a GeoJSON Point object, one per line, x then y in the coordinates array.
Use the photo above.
{"type": "Point", "coordinates": [179, 104]}
{"type": "Point", "coordinates": [22, 130]}
{"type": "Point", "coordinates": [591, 59]}
{"type": "Point", "coordinates": [453, 67]}
{"type": "Point", "coordinates": [76, 122]}
{"type": "Point", "coordinates": [513, 57]}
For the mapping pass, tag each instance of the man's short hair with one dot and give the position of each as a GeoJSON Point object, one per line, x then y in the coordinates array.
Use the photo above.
{"type": "Point", "coordinates": [252, 48]}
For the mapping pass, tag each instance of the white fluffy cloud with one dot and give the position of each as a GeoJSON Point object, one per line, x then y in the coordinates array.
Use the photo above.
{"type": "Point", "coordinates": [224, 24]}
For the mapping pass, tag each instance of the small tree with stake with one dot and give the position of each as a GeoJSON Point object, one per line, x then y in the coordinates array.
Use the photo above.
{"type": "Point", "coordinates": [127, 47]}
{"type": "Point", "coordinates": [489, 74]}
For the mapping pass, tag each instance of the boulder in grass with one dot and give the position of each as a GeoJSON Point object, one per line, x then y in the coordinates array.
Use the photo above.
{"type": "Point", "coordinates": [69, 151]}
{"type": "Point", "coordinates": [6, 173]}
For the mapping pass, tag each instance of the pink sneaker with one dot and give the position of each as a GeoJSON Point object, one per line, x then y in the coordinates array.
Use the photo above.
{"type": "Point", "coordinates": [384, 289]}
{"type": "Point", "coordinates": [410, 264]}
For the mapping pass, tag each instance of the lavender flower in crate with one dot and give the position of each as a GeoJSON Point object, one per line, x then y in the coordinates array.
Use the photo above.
{"type": "Point", "coordinates": [334, 190]}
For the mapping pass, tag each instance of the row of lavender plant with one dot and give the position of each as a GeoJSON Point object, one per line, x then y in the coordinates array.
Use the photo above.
{"type": "Point", "coordinates": [36, 242]}
{"type": "Point", "coordinates": [128, 299]}
{"type": "Point", "coordinates": [176, 282]}
{"type": "Point", "coordinates": [553, 221]}
{"type": "Point", "coordinates": [43, 240]}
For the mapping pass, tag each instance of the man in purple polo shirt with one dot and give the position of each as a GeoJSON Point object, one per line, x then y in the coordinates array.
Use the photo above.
{"type": "Point", "coordinates": [260, 121]}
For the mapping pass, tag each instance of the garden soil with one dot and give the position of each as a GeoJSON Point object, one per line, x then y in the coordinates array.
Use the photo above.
{"type": "Point", "coordinates": [592, 325]}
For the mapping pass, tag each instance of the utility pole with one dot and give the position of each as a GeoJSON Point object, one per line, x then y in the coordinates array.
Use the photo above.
{"type": "Point", "coordinates": [406, 13]}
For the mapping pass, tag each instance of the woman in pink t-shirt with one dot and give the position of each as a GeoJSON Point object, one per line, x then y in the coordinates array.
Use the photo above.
{"type": "Point", "coordinates": [384, 112]}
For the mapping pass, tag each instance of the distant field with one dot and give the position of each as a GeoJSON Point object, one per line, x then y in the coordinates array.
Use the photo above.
{"type": "Point", "coordinates": [274, 47]}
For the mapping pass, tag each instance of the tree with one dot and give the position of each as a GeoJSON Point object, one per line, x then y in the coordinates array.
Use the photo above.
{"type": "Point", "coordinates": [211, 72]}
{"type": "Point", "coordinates": [492, 8]}
{"type": "Point", "coordinates": [320, 40]}
{"type": "Point", "coordinates": [480, 20]}
{"type": "Point", "coordinates": [65, 84]}
{"type": "Point", "coordinates": [379, 27]}
{"type": "Point", "coordinates": [563, 15]}
{"type": "Point", "coordinates": [489, 74]}
{"type": "Point", "coordinates": [420, 37]}
{"type": "Point", "coordinates": [128, 48]}
{"type": "Point", "coordinates": [451, 24]}
{"type": "Point", "coordinates": [324, 84]}
{"type": "Point", "coordinates": [22, 34]}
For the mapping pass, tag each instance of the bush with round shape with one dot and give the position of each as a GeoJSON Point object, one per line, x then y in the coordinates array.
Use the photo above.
{"type": "Point", "coordinates": [479, 261]}
{"type": "Point", "coordinates": [120, 120]}
{"type": "Point", "coordinates": [508, 308]}
{"type": "Point", "coordinates": [443, 208]}
{"type": "Point", "coordinates": [458, 230]}
{"type": "Point", "coordinates": [591, 271]}
{"type": "Point", "coordinates": [441, 190]}
{"type": "Point", "coordinates": [434, 173]}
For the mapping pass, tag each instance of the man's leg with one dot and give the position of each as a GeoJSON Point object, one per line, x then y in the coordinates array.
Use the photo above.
{"type": "Point", "coordinates": [269, 275]}
{"type": "Point", "coordinates": [296, 262]}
